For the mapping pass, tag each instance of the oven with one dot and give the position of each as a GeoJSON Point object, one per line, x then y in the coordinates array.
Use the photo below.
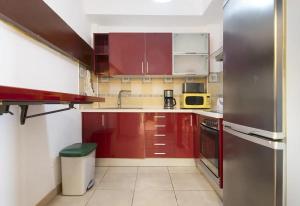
{"type": "Point", "coordinates": [211, 147]}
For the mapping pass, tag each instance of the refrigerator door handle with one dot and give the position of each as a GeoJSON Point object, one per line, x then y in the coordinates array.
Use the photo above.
{"type": "Point", "coordinates": [255, 139]}
{"type": "Point", "coordinates": [255, 131]}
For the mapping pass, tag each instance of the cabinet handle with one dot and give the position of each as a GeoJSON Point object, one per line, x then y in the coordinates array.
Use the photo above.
{"type": "Point", "coordinates": [160, 125]}
{"type": "Point", "coordinates": [142, 67]}
{"type": "Point", "coordinates": [160, 153]}
{"type": "Point", "coordinates": [191, 121]}
{"type": "Point", "coordinates": [159, 135]}
{"type": "Point", "coordinates": [159, 116]}
{"type": "Point", "coordinates": [147, 67]}
{"type": "Point", "coordinates": [102, 120]}
{"type": "Point", "coordinates": [159, 144]}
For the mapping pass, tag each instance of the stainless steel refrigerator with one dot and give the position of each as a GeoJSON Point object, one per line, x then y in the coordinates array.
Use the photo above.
{"type": "Point", "coordinates": [254, 131]}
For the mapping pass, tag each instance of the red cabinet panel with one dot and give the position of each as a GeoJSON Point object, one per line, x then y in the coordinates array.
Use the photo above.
{"type": "Point", "coordinates": [129, 141]}
{"type": "Point", "coordinates": [126, 53]}
{"type": "Point", "coordinates": [185, 135]}
{"type": "Point", "coordinates": [95, 129]}
{"type": "Point", "coordinates": [139, 135]}
{"type": "Point", "coordinates": [118, 135]}
{"type": "Point", "coordinates": [158, 53]}
{"type": "Point", "coordinates": [140, 53]}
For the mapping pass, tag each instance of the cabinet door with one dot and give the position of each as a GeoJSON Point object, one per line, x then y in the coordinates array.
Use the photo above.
{"type": "Point", "coordinates": [185, 135]}
{"type": "Point", "coordinates": [129, 141]}
{"type": "Point", "coordinates": [95, 129]}
{"type": "Point", "coordinates": [127, 53]}
{"type": "Point", "coordinates": [158, 53]}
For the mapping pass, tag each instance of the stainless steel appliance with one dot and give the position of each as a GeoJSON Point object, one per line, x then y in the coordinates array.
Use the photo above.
{"type": "Point", "coordinates": [169, 100]}
{"type": "Point", "coordinates": [211, 148]}
{"type": "Point", "coordinates": [253, 103]}
{"type": "Point", "coordinates": [193, 87]}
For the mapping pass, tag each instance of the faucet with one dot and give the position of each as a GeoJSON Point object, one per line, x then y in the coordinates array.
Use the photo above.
{"type": "Point", "coordinates": [120, 97]}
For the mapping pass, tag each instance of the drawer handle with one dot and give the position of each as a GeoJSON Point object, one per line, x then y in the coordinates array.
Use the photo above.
{"type": "Point", "coordinates": [160, 125]}
{"type": "Point", "coordinates": [159, 135]}
{"type": "Point", "coordinates": [160, 153]}
{"type": "Point", "coordinates": [159, 116]}
{"type": "Point", "coordinates": [159, 144]}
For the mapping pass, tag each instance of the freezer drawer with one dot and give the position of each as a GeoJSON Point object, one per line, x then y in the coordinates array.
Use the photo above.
{"type": "Point", "coordinates": [253, 170]}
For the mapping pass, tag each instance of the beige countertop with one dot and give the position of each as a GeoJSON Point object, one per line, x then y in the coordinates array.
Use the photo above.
{"type": "Point", "coordinates": [207, 113]}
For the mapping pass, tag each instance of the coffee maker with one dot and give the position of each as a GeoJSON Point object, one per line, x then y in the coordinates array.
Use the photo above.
{"type": "Point", "coordinates": [169, 100]}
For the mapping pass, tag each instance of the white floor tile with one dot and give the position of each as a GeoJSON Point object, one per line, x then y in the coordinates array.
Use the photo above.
{"type": "Point", "coordinates": [186, 181]}
{"type": "Point", "coordinates": [154, 198]}
{"type": "Point", "coordinates": [198, 198]}
{"type": "Point", "coordinates": [153, 182]}
{"type": "Point", "coordinates": [191, 170]}
{"type": "Point", "coordinates": [61, 200]}
{"type": "Point", "coordinates": [111, 198]}
{"type": "Point", "coordinates": [153, 170]}
{"type": "Point", "coordinates": [99, 174]}
{"type": "Point", "coordinates": [118, 181]}
{"type": "Point", "coordinates": [122, 170]}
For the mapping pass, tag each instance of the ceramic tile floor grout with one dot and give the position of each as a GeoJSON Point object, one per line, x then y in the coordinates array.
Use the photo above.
{"type": "Point", "coordinates": [173, 186]}
{"type": "Point", "coordinates": [137, 173]}
{"type": "Point", "coordinates": [95, 187]}
{"type": "Point", "coordinates": [134, 189]}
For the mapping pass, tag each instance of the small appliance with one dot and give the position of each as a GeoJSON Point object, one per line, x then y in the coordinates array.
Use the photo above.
{"type": "Point", "coordinates": [169, 100]}
{"type": "Point", "coordinates": [195, 101]}
{"type": "Point", "coordinates": [211, 148]}
{"type": "Point", "coordinates": [192, 87]}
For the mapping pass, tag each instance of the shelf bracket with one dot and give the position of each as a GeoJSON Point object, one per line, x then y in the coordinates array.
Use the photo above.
{"type": "Point", "coordinates": [24, 110]}
{"type": "Point", "coordinates": [4, 109]}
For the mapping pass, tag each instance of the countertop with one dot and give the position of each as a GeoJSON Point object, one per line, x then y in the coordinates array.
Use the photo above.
{"type": "Point", "coordinates": [203, 112]}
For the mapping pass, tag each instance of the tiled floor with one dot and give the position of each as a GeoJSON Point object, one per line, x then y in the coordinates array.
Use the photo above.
{"type": "Point", "coordinates": [145, 186]}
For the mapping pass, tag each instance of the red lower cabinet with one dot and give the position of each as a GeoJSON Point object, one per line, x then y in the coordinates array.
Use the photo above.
{"type": "Point", "coordinates": [129, 141]}
{"type": "Point", "coordinates": [118, 135]}
{"type": "Point", "coordinates": [170, 135]}
{"type": "Point", "coordinates": [96, 128]}
{"type": "Point", "coordinates": [160, 134]}
{"type": "Point", "coordinates": [140, 135]}
{"type": "Point", "coordinates": [184, 145]}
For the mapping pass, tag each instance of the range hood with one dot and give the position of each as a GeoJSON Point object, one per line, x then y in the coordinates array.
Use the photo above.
{"type": "Point", "coordinates": [219, 55]}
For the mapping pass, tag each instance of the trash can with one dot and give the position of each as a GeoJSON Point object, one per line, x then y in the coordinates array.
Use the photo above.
{"type": "Point", "coordinates": [78, 168]}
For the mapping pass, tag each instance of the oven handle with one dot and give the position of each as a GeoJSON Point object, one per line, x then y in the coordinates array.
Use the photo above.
{"type": "Point", "coordinates": [208, 128]}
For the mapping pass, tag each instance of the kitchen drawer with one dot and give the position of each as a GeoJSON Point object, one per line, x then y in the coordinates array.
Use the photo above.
{"type": "Point", "coordinates": [162, 143]}
{"type": "Point", "coordinates": [158, 121]}
{"type": "Point", "coordinates": [156, 136]}
{"type": "Point", "coordinates": [160, 152]}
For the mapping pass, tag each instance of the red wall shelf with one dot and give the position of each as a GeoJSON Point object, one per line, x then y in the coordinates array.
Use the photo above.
{"type": "Point", "coordinates": [15, 94]}
{"type": "Point", "coordinates": [25, 97]}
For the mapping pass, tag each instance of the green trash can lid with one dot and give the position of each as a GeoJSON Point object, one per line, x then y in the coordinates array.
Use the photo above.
{"type": "Point", "coordinates": [78, 150]}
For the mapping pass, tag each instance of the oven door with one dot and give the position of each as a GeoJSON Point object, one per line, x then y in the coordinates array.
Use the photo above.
{"type": "Point", "coordinates": [209, 148]}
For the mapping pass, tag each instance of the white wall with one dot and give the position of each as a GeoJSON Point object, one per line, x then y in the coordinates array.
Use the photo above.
{"type": "Point", "coordinates": [29, 162]}
{"type": "Point", "coordinates": [146, 7]}
{"type": "Point", "coordinates": [293, 103]}
{"type": "Point", "coordinates": [72, 13]}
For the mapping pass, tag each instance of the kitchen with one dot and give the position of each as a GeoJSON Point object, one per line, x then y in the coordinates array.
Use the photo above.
{"type": "Point", "coordinates": [125, 102]}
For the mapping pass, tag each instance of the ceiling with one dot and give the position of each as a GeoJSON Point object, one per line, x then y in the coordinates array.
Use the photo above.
{"type": "Point", "coordinates": [179, 13]}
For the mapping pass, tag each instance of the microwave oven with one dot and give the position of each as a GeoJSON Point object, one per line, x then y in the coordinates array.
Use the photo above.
{"type": "Point", "coordinates": [195, 101]}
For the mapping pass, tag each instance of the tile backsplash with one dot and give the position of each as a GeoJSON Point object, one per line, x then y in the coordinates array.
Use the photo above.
{"type": "Point", "coordinates": [146, 92]}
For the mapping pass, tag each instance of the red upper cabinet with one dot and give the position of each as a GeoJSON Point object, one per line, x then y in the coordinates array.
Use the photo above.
{"type": "Point", "coordinates": [140, 53]}
{"type": "Point", "coordinates": [127, 53]}
{"type": "Point", "coordinates": [158, 53]}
